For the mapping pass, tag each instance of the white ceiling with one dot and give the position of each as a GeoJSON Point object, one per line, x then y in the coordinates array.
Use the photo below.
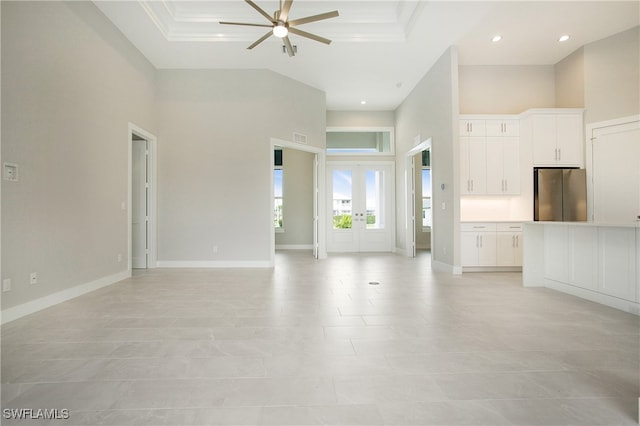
{"type": "Point", "coordinates": [380, 49]}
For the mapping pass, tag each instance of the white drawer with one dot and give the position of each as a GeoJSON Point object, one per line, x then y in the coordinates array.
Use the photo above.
{"type": "Point", "coordinates": [509, 227]}
{"type": "Point", "coordinates": [477, 226]}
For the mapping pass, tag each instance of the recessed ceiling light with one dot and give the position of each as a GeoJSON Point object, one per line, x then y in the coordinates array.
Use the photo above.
{"type": "Point", "coordinates": [564, 37]}
{"type": "Point", "coordinates": [363, 102]}
{"type": "Point", "coordinates": [496, 38]}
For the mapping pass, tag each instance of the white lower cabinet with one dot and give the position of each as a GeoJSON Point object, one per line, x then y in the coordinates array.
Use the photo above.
{"type": "Point", "coordinates": [509, 244]}
{"type": "Point", "coordinates": [602, 259]}
{"type": "Point", "coordinates": [583, 257]}
{"type": "Point", "coordinates": [490, 244]}
{"type": "Point", "coordinates": [617, 262]}
{"type": "Point", "coordinates": [556, 253]}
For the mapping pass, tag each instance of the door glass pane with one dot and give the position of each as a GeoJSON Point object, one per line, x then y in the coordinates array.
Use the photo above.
{"type": "Point", "coordinates": [277, 197]}
{"type": "Point", "coordinates": [426, 197]}
{"type": "Point", "coordinates": [375, 199]}
{"type": "Point", "coordinates": [342, 199]}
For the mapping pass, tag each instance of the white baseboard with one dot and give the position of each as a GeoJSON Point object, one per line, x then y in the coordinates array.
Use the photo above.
{"type": "Point", "coordinates": [12, 314]}
{"type": "Point", "coordinates": [294, 246]}
{"type": "Point", "coordinates": [604, 299]}
{"type": "Point", "coordinates": [400, 251]}
{"type": "Point", "coordinates": [215, 264]}
{"type": "Point", "coordinates": [445, 267]}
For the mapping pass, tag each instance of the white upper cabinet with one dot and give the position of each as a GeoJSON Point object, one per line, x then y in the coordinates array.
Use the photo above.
{"type": "Point", "coordinates": [472, 127]}
{"type": "Point", "coordinates": [473, 165]}
{"type": "Point", "coordinates": [502, 127]}
{"type": "Point", "coordinates": [490, 155]}
{"type": "Point", "coordinates": [557, 137]}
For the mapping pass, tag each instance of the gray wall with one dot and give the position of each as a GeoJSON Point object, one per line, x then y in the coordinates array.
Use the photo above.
{"type": "Point", "coordinates": [611, 77]}
{"type": "Point", "coordinates": [297, 198]}
{"type": "Point", "coordinates": [502, 89]}
{"type": "Point", "coordinates": [431, 110]}
{"type": "Point", "coordinates": [214, 159]}
{"type": "Point", "coordinates": [360, 118]}
{"type": "Point", "coordinates": [569, 76]}
{"type": "Point", "coordinates": [71, 83]}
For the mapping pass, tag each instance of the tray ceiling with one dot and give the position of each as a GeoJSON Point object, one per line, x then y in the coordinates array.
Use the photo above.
{"type": "Point", "coordinates": [380, 49]}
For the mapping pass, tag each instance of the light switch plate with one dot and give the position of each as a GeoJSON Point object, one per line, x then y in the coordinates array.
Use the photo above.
{"type": "Point", "coordinates": [10, 172]}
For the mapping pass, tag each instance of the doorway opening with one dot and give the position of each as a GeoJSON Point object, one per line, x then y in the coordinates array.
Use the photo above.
{"type": "Point", "coordinates": [283, 220]}
{"type": "Point", "coordinates": [142, 199]}
{"type": "Point", "coordinates": [419, 199]}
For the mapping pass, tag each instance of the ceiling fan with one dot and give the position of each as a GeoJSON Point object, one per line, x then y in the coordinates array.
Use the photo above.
{"type": "Point", "coordinates": [281, 26]}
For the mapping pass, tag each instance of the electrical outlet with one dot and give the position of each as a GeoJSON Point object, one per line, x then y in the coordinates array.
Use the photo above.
{"type": "Point", "coordinates": [444, 250]}
{"type": "Point", "coordinates": [119, 257]}
{"type": "Point", "coordinates": [33, 278]}
{"type": "Point", "coordinates": [6, 284]}
{"type": "Point", "coordinates": [215, 249]}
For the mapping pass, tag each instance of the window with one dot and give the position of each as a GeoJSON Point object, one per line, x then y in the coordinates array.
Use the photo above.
{"type": "Point", "coordinates": [278, 175]}
{"type": "Point", "coordinates": [359, 141]}
{"type": "Point", "coordinates": [426, 191]}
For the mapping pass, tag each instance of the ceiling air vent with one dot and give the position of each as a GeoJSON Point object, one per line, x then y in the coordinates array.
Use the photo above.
{"type": "Point", "coordinates": [299, 138]}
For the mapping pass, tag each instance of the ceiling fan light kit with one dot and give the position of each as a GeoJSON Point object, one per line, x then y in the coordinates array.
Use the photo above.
{"type": "Point", "coordinates": [281, 26]}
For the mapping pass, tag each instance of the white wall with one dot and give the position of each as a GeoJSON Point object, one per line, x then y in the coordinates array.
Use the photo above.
{"type": "Point", "coordinates": [297, 198]}
{"type": "Point", "coordinates": [431, 110]}
{"type": "Point", "coordinates": [71, 83]}
{"type": "Point", "coordinates": [612, 77]}
{"type": "Point", "coordinates": [500, 89]}
{"type": "Point", "coordinates": [214, 160]}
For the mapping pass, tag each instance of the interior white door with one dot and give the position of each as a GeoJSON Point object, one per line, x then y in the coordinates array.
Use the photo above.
{"type": "Point", "coordinates": [139, 204]}
{"type": "Point", "coordinates": [360, 199]}
{"type": "Point", "coordinates": [616, 173]}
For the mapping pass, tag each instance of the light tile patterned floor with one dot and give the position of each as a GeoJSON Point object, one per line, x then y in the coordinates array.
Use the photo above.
{"type": "Point", "coordinates": [312, 342]}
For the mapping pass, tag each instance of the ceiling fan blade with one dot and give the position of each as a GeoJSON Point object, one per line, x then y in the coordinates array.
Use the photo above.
{"type": "Point", "coordinates": [243, 23]}
{"type": "Point", "coordinates": [284, 11]}
{"type": "Point", "coordinates": [289, 47]}
{"type": "Point", "coordinates": [260, 10]}
{"type": "Point", "coordinates": [313, 18]}
{"type": "Point", "coordinates": [309, 35]}
{"type": "Point", "coordinates": [260, 40]}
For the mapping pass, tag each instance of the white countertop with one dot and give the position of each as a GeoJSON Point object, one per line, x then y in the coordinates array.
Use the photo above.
{"type": "Point", "coordinates": [596, 224]}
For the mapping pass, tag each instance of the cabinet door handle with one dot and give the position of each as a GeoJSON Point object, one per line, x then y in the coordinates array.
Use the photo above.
{"type": "Point", "coordinates": [513, 241]}
{"type": "Point", "coordinates": [517, 240]}
{"type": "Point", "coordinates": [480, 241]}
{"type": "Point", "coordinates": [559, 154]}
{"type": "Point", "coordinates": [470, 127]}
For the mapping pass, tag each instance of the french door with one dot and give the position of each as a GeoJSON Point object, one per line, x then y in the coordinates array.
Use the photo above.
{"type": "Point", "coordinates": [360, 207]}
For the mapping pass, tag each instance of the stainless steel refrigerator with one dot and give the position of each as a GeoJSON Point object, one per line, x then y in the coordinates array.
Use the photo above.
{"type": "Point", "coordinates": [559, 194]}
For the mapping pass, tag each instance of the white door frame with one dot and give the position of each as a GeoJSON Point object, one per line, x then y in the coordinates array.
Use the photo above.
{"type": "Point", "coordinates": [591, 129]}
{"type": "Point", "coordinates": [319, 230]}
{"type": "Point", "coordinates": [152, 258]}
{"type": "Point", "coordinates": [410, 186]}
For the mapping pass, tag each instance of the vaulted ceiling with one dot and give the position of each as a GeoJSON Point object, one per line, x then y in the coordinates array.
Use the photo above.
{"type": "Point", "coordinates": [380, 49]}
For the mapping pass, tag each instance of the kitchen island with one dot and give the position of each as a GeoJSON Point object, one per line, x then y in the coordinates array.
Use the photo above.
{"type": "Point", "coordinates": [596, 261]}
